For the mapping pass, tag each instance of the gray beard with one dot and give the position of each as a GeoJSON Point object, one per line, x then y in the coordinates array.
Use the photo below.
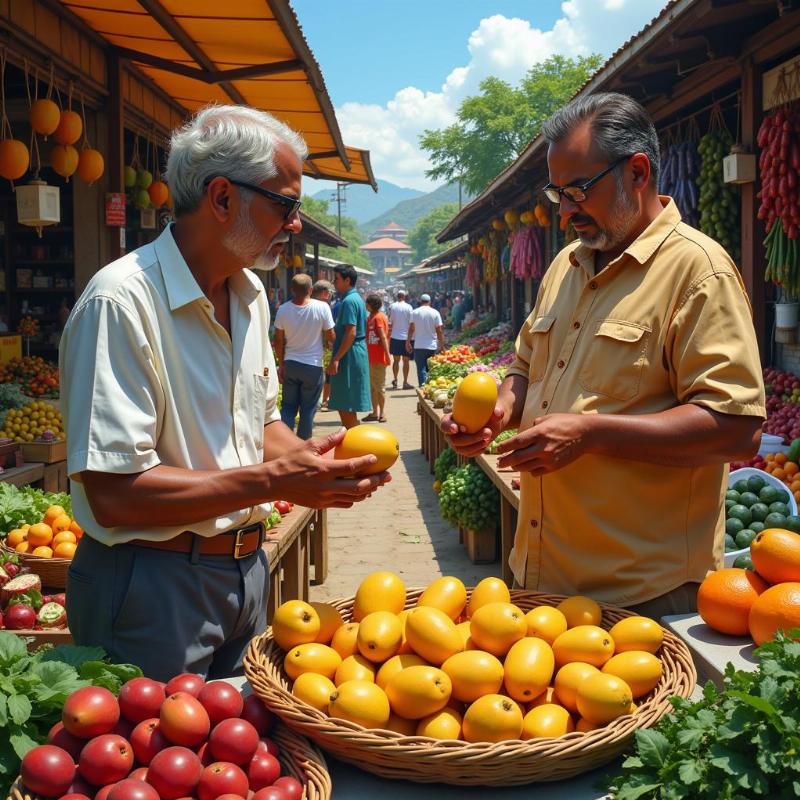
{"type": "Point", "coordinates": [246, 243]}
{"type": "Point", "coordinates": [623, 212]}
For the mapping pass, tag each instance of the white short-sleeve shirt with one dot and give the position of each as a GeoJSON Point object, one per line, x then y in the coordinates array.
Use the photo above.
{"type": "Point", "coordinates": [303, 327]}
{"type": "Point", "coordinates": [400, 317]}
{"type": "Point", "coordinates": [149, 377]}
{"type": "Point", "coordinates": [426, 319]}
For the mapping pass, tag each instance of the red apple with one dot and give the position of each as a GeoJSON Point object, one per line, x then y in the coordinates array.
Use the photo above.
{"type": "Point", "coordinates": [174, 772]}
{"type": "Point", "coordinates": [257, 714]}
{"type": "Point", "coordinates": [141, 699]}
{"type": "Point", "coordinates": [47, 770]}
{"type": "Point", "coordinates": [102, 794]}
{"type": "Point", "coordinates": [221, 701]}
{"type": "Point", "coordinates": [271, 793]}
{"type": "Point", "coordinates": [91, 711]}
{"type": "Point", "coordinates": [185, 682]}
{"type": "Point", "coordinates": [74, 796]}
{"type": "Point", "coordinates": [59, 737]}
{"type": "Point", "coordinates": [204, 754]}
{"type": "Point", "coordinates": [147, 740]}
{"type": "Point", "coordinates": [263, 770]}
{"type": "Point", "coordinates": [184, 721]}
{"type": "Point", "coordinates": [267, 745]}
{"type": "Point", "coordinates": [220, 778]}
{"type": "Point", "coordinates": [131, 789]}
{"type": "Point", "coordinates": [234, 740]}
{"type": "Point", "coordinates": [292, 787]}
{"type": "Point", "coordinates": [106, 759]}
{"type": "Point", "coordinates": [139, 774]}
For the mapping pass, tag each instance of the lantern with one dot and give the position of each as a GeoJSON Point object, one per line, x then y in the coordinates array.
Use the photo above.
{"type": "Point", "coordinates": [38, 205]}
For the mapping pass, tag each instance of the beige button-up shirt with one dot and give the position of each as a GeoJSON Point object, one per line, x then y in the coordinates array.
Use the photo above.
{"type": "Point", "coordinates": [666, 323]}
{"type": "Point", "coordinates": [148, 377]}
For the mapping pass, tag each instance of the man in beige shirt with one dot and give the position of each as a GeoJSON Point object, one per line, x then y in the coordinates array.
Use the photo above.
{"type": "Point", "coordinates": [637, 379]}
{"type": "Point", "coordinates": [169, 387]}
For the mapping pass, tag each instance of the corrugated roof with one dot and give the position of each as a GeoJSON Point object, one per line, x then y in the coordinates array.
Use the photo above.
{"type": "Point", "coordinates": [315, 232]}
{"type": "Point", "coordinates": [385, 244]}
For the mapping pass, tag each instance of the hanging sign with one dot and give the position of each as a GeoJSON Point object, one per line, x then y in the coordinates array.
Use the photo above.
{"type": "Point", "coordinates": [115, 209]}
{"type": "Point", "coordinates": [782, 84]}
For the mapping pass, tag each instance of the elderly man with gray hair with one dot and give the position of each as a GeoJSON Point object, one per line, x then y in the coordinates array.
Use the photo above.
{"type": "Point", "coordinates": [169, 389]}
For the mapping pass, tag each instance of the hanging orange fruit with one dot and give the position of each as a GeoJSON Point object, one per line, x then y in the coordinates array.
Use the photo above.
{"type": "Point", "coordinates": [70, 128]}
{"type": "Point", "coordinates": [90, 165]}
{"type": "Point", "coordinates": [44, 116]}
{"type": "Point", "coordinates": [158, 193]}
{"type": "Point", "coordinates": [64, 160]}
{"type": "Point", "coordinates": [14, 159]}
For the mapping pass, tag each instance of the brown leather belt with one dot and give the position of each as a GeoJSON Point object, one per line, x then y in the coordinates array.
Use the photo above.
{"type": "Point", "coordinates": [238, 543]}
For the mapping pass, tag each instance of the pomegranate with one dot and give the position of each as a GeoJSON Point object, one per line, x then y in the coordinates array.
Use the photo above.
{"type": "Point", "coordinates": [91, 711]}
{"type": "Point", "coordinates": [292, 787]}
{"type": "Point", "coordinates": [106, 759]}
{"type": "Point", "coordinates": [271, 793]}
{"type": "Point", "coordinates": [174, 773]}
{"type": "Point", "coordinates": [267, 745]}
{"type": "Point", "coordinates": [59, 737]}
{"type": "Point", "coordinates": [141, 699]}
{"type": "Point", "coordinates": [234, 740]}
{"type": "Point", "coordinates": [147, 740]}
{"type": "Point", "coordinates": [257, 714]}
{"type": "Point", "coordinates": [20, 617]}
{"type": "Point", "coordinates": [185, 682]}
{"type": "Point", "coordinates": [221, 778]}
{"type": "Point", "coordinates": [47, 770]}
{"type": "Point", "coordinates": [184, 721]}
{"type": "Point", "coordinates": [221, 701]}
{"type": "Point", "coordinates": [132, 789]}
{"type": "Point", "coordinates": [263, 770]}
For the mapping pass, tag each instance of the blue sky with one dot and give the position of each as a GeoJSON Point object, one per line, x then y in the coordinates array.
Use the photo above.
{"type": "Point", "coordinates": [396, 68]}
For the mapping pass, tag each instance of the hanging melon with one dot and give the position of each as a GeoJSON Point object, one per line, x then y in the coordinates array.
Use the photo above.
{"type": "Point", "coordinates": [298, 261]}
{"type": "Point", "coordinates": [144, 178]}
{"type": "Point", "coordinates": [511, 217]}
{"type": "Point", "coordinates": [90, 165]}
{"type": "Point", "coordinates": [14, 159]}
{"type": "Point", "coordinates": [142, 199]}
{"type": "Point", "coordinates": [70, 128]}
{"type": "Point", "coordinates": [44, 116]}
{"type": "Point", "coordinates": [130, 177]}
{"type": "Point", "coordinates": [158, 192]}
{"type": "Point", "coordinates": [64, 160]}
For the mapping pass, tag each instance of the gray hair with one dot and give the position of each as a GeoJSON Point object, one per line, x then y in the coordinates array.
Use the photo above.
{"type": "Point", "coordinates": [620, 126]}
{"type": "Point", "coordinates": [322, 286]}
{"type": "Point", "coordinates": [236, 141]}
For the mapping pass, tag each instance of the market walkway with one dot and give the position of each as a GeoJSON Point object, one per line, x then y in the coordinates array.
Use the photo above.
{"type": "Point", "coordinates": [399, 527]}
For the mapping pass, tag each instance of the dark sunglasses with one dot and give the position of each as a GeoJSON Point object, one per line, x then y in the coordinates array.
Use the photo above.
{"type": "Point", "coordinates": [577, 194]}
{"type": "Point", "coordinates": [291, 204]}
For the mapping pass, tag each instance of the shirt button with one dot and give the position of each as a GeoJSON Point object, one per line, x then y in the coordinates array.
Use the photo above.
{"type": "Point", "coordinates": [560, 365]}
{"type": "Point", "coordinates": [593, 285]}
{"type": "Point", "coordinates": [241, 442]}
{"type": "Point", "coordinates": [534, 523]}
{"type": "Point", "coordinates": [544, 405]}
{"type": "Point", "coordinates": [576, 325]}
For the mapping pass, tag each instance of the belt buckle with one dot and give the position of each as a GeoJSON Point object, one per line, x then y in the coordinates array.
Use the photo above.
{"type": "Point", "coordinates": [238, 541]}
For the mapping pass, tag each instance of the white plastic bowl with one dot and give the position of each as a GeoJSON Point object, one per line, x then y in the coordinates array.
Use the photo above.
{"type": "Point", "coordinates": [743, 474]}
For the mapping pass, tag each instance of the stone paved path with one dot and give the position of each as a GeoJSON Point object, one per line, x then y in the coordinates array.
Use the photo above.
{"type": "Point", "coordinates": [399, 527]}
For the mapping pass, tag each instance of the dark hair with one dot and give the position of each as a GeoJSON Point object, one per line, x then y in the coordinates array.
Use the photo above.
{"type": "Point", "coordinates": [374, 301]}
{"type": "Point", "coordinates": [347, 272]}
{"type": "Point", "coordinates": [620, 126]}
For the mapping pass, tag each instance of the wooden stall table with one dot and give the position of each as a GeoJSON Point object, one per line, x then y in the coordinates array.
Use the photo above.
{"type": "Point", "coordinates": [27, 475]}
{"type": "Point", "coordinates": [509, 507]}
{"type": "Point", "coordinates": [433, 441]}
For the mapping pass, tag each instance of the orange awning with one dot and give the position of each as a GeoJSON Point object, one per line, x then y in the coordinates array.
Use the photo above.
{"type": "Point", "coordinates": [248, 52]}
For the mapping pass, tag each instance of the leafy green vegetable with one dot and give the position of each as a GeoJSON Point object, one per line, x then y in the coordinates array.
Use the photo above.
{"type": "Point", "coordinates": [32, 598]}
{"type": "Point", "coordinates": [501, 437]}
{"type": "Point", "coordinates": [273, 519]}
{"type": "Point", "coordinates": [26, 505]}
{"type": "Point", "coordinates": [445, 463]}
{"type": "Point", "coordinates": [742, 742]}
{"type": "Point", "coordinates": [468, 499]}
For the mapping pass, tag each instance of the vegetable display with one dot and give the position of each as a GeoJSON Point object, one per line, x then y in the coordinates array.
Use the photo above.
{"type": "Point", "coordinates": [501, 437]}
{"type": "Point", "coordinates": [445, 463]}
{"type": "Point", "coordinates": [527, 252]}
{"type": "Point", "coordinates": [468, 499]}
{"type": "Point", "coordinates": [680, 169]}
{"type": "Point", "coordinates": [36, 377]}
{"type": "Point", "coordinates": [28, 505]}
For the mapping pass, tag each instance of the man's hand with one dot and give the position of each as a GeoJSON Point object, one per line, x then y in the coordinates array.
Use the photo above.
{"type": "Point", "coordinates": [333, 368]}
{"type": "Point", "coordinates": [472, 444]}
{"type": "Point", "coordinates": [311, 477]}
{"type": "Point", "coordinates": [552, 443]}
{"type": "Point", "coordinates": [280, 374]}
{"type": "Point", "coordinates": [409, 348]}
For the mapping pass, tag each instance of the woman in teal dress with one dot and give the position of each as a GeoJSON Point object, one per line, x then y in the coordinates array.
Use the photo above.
{"type": "Point", "coordinates": [349, 367]}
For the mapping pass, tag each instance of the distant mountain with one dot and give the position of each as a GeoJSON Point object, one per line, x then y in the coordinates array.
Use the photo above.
{"type": "Point", "coordinates": [407, 212]}
{"type": "Point", "coordinates": [362, 204]}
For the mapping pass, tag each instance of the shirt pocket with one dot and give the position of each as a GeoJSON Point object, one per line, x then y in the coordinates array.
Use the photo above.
{"type": "Point", "coordinates": [615, 359]}
{"type": "Point", "coordinates": [260, 388]}
{"type": "Point", "coordinates": [540, 347]}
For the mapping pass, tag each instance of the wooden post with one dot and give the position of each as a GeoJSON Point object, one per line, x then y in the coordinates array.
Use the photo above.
{"type": "Point", "coordinates": [116, 145]}
{"type": "Point", "coordinates": [316, 261]}
{"type": "Point", "coordinates": [320, 547]}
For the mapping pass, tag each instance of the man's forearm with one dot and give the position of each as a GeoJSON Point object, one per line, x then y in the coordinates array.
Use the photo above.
{"type": "Point", "coordinates": [511, 398]}
{"type": "Point", "coordinates": [279, 440]}
{"type": "Point", "coordinates": [347, 340]}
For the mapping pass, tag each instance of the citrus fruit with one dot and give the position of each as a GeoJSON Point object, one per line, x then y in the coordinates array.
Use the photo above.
{"type": "Point", "coordinates": [725, 597]}
{"type": "Point", "coordinates": [379, 635]}
{"type": "Point", "coordinates": [547, 721]}
{"type": "Point", "coordinates": [584, 726]}
{"type": "Point", "coordinates": [405, 647]}
{"type": "Point", "coordinates": [61, 523]}
{"type": "Point", "coordinates": [492, 718]}
{"type": "Point", "coordinates": [345, 639]}
{"type": "Point", "coordinates": [40, 534]}
{"type": "Point", "coordinates": [52, 513]}
{"type": "Point", "coordinates": [580, 610]}
{"type": "Point", "coordinates": [330, 620]}
{"type": "Point", "coordinates": [15, 536]}
{"type": "Point", "coordinates": [432, 634]}
{"type": "Point", "coordinates": [448, 594]}
{"type": "Point", "coordinates": [363, 440]}
{"type": "Point", "coordinates": [602, 698]}
{"type": "Point", "coordinates": [64, 550]}
{"type": "Point", "coordinates": [405, 727]}
{"type": "Point", "coordinates": [474, 401]}
{"type": "Point", "coordinates": [444, 724]}
{"type": "Point", "coordinates": [355, 668]}
{"type": "Point", "coordinates": [311, 657]}
{"type": "Point", "coordinates": [463, 629]}
{"type": "Point", "coordinates": [76, 529]}
{"type": "Point", "coordinates": [587, 643]}
{"type": "Point", "coordinates": [417, 692]}
{"type": "Point", "coordinates": [316, 690]}
{"type": "Point", "coordinates": [23, 547]}
{"type": "Point", "coordinates": [379, 591]}
{"type": "Point", "coordinates": [294, 622]}
{"type": "Point", "coordinates": [567, 680]}
{"type": "Point", "coordinates": [777, 607]}
{"type": "Point", "coordinates": [395, 665]}
{"type": "Point", "coordinates": [489, 590]}
{"type": "Point", "coordinates": [637, 633]}
{"type": "Point", "coordinates": [528, 668]}
{"type": "Point", "coordinates": [473, 674]}
{"type": "Point", "coordinates": [496, 626]}
{"type": "Point", "coordinates": [361, 702]}
{"type": "Point", "coordinates": [64, 536]}
{"type": "Point", "coordinates": [640, 670]}
{"type": "Point", "coordinates": [42, 551]}
{"type": "Point", "coordinates": [775, 554]}
{"type": "Point", "coordinates": [546, 622]}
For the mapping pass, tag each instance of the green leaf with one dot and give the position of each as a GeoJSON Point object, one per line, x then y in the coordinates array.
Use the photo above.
{"type": "Point", "coordinates": [58, 681]}
{"type": "Point", "coordinates": [635, 792]}
{"type": "Point", "coordinates": [690, 771]}
{"type": "Point", "coordinates": [729, 761]}
{"type": "Point", "coordinates": [74, 655]}
{"type": "Point", "coordinates": [653, 747]}
{"type": "Point", "coordinates": [19, 708]}
{"type": "Point", "coordinates": [21, 741]}
{"type": "Point", "coordinates": [12, 648]}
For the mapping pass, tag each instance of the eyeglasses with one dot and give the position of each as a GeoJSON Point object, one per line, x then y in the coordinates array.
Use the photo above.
{"type": "Point", "coordinates": [291, 204]}
{"type": "Point", "coordinates": [577, 194]}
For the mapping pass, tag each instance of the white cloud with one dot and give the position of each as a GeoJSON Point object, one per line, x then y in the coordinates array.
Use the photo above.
{"type": "Point", "coordinates": [500, 46]}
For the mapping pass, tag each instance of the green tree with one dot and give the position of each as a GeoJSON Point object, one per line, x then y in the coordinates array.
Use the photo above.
{"type": "Point", "coordinates": [495, 125]}
{"type": "Point", "coordinates": [422, 237]}
{"type": "Point", "coordinates": [319, 210]}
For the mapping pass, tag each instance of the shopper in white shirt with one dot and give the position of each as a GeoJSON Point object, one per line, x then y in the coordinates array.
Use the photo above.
{"type": "Point", "coordinates": [424, 334]}
{"type": "Point", "coordinates": [399, 320]}
{"type": "Point", "coordinates": [301, 326]}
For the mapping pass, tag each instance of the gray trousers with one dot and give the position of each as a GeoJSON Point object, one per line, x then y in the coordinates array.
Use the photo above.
{"type": "Point", "coordinates": [167, 612]}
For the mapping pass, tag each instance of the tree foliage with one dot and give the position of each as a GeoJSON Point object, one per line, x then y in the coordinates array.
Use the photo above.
{"type": "Point", "coordinates": [422, 237]}
{"type": "Point", "coordinates": [320, 211]}
{"type": "Point", "coordinates": [495, 125]}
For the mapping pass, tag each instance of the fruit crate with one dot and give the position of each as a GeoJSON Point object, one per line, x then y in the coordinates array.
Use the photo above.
{"type": "Point", "coordinates": [54, 636]}
{"type": "Point", "coordinates": [45, 452]}
{"type": "Point", "coordinates": [52, 571]}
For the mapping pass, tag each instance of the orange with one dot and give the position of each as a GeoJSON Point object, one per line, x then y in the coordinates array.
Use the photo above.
{"type": "Point", "coordinates": [330, 621]}
{"type": "Point", "coordinates": [42, 552]}
{"type": "Point", "coordinates": [779, 473]}
{"type": "Point", "coordinates": [76, 529]}
{"type": "Point", "coordinates": [40, 534]}
{"type": "Point", "coordinates": [725, 598]}
{"type": "Point", "coordinates": [51, 513]}
{"type": "Point", "coordinates": [781, 458]}
{"type": "Point", "coordinates": [64, 536]}
{"type": "Point", "coordinates": [790, 468]}
{"type": "Point", "coordinates": [15, 537]}
{"type": "Point", "coordinates": [61, 523]}
{"type": "Point", "coordinates": [777, 607]}
{"type": "Point", "coordinates": [580, 610]}
{"type": "Point", "coordinates": [64, 550]}
{"type": "Point", "coordinates": [775, 553]}
{"type": "Point", "coordinates": [23, 547]}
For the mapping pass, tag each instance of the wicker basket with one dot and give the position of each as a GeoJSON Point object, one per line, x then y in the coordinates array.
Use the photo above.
{"type": "Point", "coordinates": [52, 571]}
{"type": "Point", "coordinates": [427, 760]}
{"type": "Point", "coordinates": [299, 758]}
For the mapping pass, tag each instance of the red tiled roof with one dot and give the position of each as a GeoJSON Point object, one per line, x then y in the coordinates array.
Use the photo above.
{"type": "Point", "coordinates": [385, 244]}
{"type": "Point", "coordinates": [392, 226]}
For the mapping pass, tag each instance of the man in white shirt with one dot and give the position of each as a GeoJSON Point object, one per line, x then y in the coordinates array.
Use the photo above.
{"type": "Point", "coordinates": [175, 448]}
{"type": "Point", "coordinates": [399, 320]}
{"type": "Point", "coordinates": [301, 325]}
{"type": "Point", "coordinates": [425, 333]}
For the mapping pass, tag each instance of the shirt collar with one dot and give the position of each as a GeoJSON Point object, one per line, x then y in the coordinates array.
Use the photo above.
{"type": "Point", "coordinates": [645, 245]}
{"type": "Point", "coordinates": [180, 283]}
